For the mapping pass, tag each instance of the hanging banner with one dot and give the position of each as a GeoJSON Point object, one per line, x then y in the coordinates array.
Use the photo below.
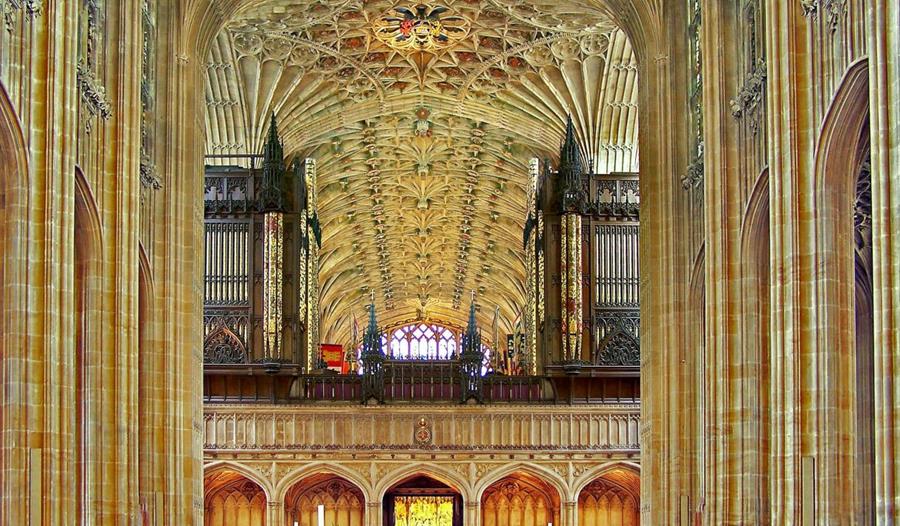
{"type": "Point", "coordinates": [333, 354]}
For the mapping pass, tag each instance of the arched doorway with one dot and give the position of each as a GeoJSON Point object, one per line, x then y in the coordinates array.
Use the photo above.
{"type": "Point", "coordinates": [865, 328]}
{"type": "Point", "coordinates": [14, 229]}
{"type": "Point", "coordinates": [613, 499]}
{"type": "Point", "coordinates": [336, 500]}
{"type": "Point", "coordinates": [87, 319]}
{"type": "Point", "coordinates": [420, 498]}
{"type": "Point", "coordinates": [520, 499]}
{"type": "Point", "coordinates": [756, 324]}
{"type": "Point", "coordinates": [844, 284]}
{"type": "Point", "coordinates": [231, 499]}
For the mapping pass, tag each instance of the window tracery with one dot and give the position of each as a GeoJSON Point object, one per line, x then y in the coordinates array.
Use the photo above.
{"type": "Point", "coordinates": [425, 341]}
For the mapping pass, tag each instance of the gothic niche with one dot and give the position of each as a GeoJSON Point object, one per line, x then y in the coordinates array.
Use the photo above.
{"type": "Point", "coordinates": [233, 500]}
{"type": "Point", "coordinates": [343, 503]}
{"type": "Point", "coordinates": [519, 499]}
{"type": "Point", "coordinates": [603, 503]}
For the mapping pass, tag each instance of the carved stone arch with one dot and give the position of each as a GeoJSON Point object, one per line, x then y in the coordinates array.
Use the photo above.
{"type": "Point", "coordinates": [234, 496]}
{"type": "Point", "coordinates": [285, 483]}
{"type": "Point", "coordinates": [609, 496]}
{"type": "Point", "coordinates": [522, 492]}
{"type": "Point", "coordinates": [436, 472]}
{"type": "Point", "coordinates": [846, 368]}
{"type": "Point", "coordinates": [591, 475]}
{"type": "Point", "coordinates": [87, 319]}
{"type": "Point", "coordinates": [755, 335]}
{"type": "Point", "coordinates": [150, 381]}
{"type": "Point", "coordinates": [87, 209]}
{"type": "Point", "coordinates": [247, 472]}
{"type": "Point", "coordinates": [14, 241]}
{"type": "Point", "coordinates": [692, 379]}
{"type": "Point", "coordinates": [345, 500]}
{"type": "Point", "coordinates": [541, 473]}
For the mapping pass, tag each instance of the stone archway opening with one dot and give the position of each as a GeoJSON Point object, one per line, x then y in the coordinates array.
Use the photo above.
{"type": "Point", "coordinates": [325, 499]}
{"type": "Point", "coordinates": [421, 498]}
{"type": "Point", "coordinates": [520, 499]}
{"type": "Point", "coordinates": [612, 499]}
{"type": "Point", "coordinates": [232, 499]}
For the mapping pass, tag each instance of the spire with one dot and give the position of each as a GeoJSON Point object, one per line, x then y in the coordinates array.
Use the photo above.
{"type": "Point", "coordinates": [372, 338]}
{"type": "Point", "coordinates": [570, 167]}
{"type": "Point", "coordinates": [273, 167]}
{"type": "Point", "coordinates": [570, 178]}
{"type": "Point", "coordinates": [472, 338]}
{"type": "Point", "coordinates": [471, 361]}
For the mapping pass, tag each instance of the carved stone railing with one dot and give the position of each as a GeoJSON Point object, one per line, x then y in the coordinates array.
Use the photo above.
{"type": "Point", "coordinates": [451, 428]}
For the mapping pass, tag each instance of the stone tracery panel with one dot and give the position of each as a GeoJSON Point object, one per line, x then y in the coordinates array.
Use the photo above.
{"type": "Point", "coordinates": [519, 500]}
{"type": "Point", "coordinates": [611, 500]}
{"type": "Point", "coordinates": [344, 503]}
{"type": "Point", "coordinates": [455, 429]}
{"type": "Point", "coordinates": [233, 500]}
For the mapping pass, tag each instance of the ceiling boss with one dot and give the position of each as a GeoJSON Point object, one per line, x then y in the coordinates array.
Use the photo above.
{"type": "Point", "coordinates": [421, 28]}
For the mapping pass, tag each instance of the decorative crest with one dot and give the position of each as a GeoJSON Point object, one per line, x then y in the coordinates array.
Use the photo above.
{"type": "Point", "coordinates": [421, 28]}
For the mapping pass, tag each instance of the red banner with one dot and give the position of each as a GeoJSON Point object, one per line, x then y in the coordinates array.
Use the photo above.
{"type": "Point", "coordinates": [333, 354]}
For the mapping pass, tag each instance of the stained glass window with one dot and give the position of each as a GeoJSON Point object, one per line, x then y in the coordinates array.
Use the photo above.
{"type": "Point", "coordinates": [425, 341]}
{"type": "Point", "coordinates": [419, 511]}
{"type": "Point", "coordinates": [422, 342]}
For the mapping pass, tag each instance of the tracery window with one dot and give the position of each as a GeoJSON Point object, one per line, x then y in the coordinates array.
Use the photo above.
{"type": "Point", "coordinates": [422, 341]}
{"type": "Point", "coordinates": [425, 341]}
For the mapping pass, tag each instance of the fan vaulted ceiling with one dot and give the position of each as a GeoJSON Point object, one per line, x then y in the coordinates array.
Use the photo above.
{"type": "Point", "coordinates": [422, 118]}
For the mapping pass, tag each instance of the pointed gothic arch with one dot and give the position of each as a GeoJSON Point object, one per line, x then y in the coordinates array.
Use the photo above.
{"type": "Point", "coordinates": [87, 238]}
{"type": "Point", "coordinates": [432, 471]}
{"type": "Point", "coordinates": [520, 497]}
{"type": "Point", "coordinates": [755, 325]}
{"type": "Point", "coordinates": [289, 480]}
{"type": "Point", "coordinates": [214, 468]}
{"type": "Point", "coordinates": [843, 138]}
{"type": "Point", "coordinates": [612, 498]}
{"type": "Point", "coordinates": [233, 498]}
{"type": "Point", "coordinates": [14, 239]}
{"type": "Point", "coordinates": [343, 501]}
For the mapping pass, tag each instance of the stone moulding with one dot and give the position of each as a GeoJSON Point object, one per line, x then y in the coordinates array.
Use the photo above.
{"type": "Point", "coordinates": [834, 11]}
{"type": "Point", "coordinates": [750, 95]}
{"type": "Point", "coordinates": [93, 94]}
{"type": "Point", "coordinates": [694, 175]}
{"type": "Point", "coordinates": [453, 428]}
{"type": "Point", "coordinates": [8, 7]}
